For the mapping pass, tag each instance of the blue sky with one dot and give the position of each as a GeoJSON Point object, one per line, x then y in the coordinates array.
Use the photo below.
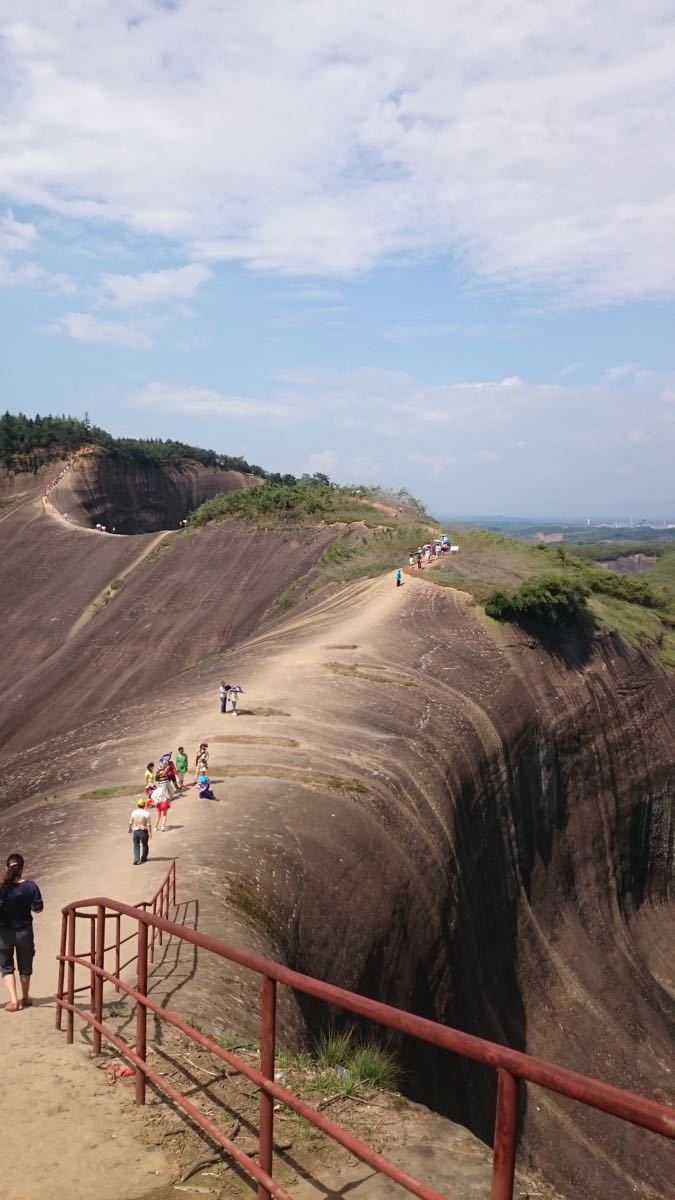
{"type": "Point", "coordinates": [426, 247]}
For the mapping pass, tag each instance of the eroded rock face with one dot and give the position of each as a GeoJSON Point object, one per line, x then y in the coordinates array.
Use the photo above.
{"type": "Point", "coordinates": [141, 497]}
{"type": "Point", "coordinates": [448, 818]}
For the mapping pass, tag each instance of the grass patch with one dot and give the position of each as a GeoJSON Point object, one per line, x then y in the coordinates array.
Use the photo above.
{"type": "Point", "coordinates": [356, 671]}
{"type": "Point", "coordinates": [340, 1063]}
{"type": "Point", "coordinates": [159, 552]}
{"type": "Point", "coordinates": [350, 1063]}
{"type": "Point", "coordinates": [107, 793]}
{"type": "Point", "coordinates": [312, 779]}
{"type": "Point", "coordinates": [642, 628]}
{"type": "Point", "coordinates": [546, 584]}
{"type": "Point", "coordinates": [235, 1041]}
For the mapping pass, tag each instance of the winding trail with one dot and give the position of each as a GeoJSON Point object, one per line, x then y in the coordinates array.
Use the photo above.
{"type": "Point", "coordinates": [105, 594]}
{"type": "Point", "coordinates": [86, 846]}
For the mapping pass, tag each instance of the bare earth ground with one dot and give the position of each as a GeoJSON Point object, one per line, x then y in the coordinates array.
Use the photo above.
{"type": "Point", "coordinates": [82, 849]}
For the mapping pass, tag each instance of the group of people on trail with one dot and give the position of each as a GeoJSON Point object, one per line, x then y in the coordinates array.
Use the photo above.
{"type": "Point", "coordinates": [19, 899]}
{"type": "Point", "coordinates": [164, 783]}
{"type": "Point", "coordinates": [424, 554]}
{"type": "Point", "coordinates": [231, 691]}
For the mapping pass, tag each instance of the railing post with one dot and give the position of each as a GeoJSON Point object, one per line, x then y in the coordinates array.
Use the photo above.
{"type": "Point", "coordinates": [118, 958]}
{"type": "Point", "coordinates": [141, 1009]}
{"type": "Point", "coordinates": [92, 960]}
{"type": "Point", "coordinates": [267, 1056]}
{"type": "Point", "coordinates": [70, 1021]}
{"type": "Point", "coordinates": [504, 1146]}
{"type": "Point", "coordinates": [173, 882]}
{"type": "Point", "coordinates": [62, 971]}
{"type": "Point", "coordinates": [98, 979]}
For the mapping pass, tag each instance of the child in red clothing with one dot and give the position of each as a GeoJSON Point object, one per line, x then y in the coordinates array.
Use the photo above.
{"type": "Point", "coordinates": [163, 807]}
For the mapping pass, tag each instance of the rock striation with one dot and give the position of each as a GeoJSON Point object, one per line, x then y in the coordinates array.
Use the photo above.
{"type": "Point", "coordinates": [420, 804]}
{"type": "Point", "coordinates": [141, 496]}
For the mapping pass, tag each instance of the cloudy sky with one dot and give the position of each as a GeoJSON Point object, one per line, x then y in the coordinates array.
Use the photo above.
{"type": "Point", "coordinates": [427, 244]}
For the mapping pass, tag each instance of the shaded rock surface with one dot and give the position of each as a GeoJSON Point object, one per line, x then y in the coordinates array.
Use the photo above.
{"type": "Point", "coordinates": [141, 497]}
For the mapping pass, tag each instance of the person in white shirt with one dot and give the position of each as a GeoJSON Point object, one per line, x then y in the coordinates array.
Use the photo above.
{"type": "Point", "coordinates": [140, 828]}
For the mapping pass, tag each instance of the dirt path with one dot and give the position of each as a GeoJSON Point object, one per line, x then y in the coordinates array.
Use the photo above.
{"type": "Point", "coordinates": [86, 844]}
{"type": "Point", "coordinates": [63, 1122]}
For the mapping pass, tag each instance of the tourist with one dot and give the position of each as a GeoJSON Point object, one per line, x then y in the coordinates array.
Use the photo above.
{"type": "Point", "coordinates": [222, 694]}
{"type": "Point", "coordinates": [149, 778]}
{"type": "Point", "coordinates": [140, 828]}
{"type": "Point", "coordinates": [419, 560]}
{"type": "Point", "coordinates": [204, 788]}
{"type": "Point", "coordinates": [163, 806]}
{"type": "Point", "coordinates": [399, 580]}
{"type": "Point", "coordinates": [235, 692]}
{"type": "Point", "coordinates": [19, 899]}
{"type": "Point", "coordinates": [202, 759]}
{"type": "Point", "coordinates": [181, 767]}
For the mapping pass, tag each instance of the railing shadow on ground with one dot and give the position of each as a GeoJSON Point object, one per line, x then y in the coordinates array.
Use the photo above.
{"type": "Point", "coordinates": [513, 1067]}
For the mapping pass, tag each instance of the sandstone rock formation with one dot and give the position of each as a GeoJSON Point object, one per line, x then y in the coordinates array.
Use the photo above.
{"type": "Point", "coordinates": [416, 803]}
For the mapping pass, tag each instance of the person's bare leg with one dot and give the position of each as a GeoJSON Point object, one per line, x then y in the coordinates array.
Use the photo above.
{"type": "Point", "coordinates": [10, 983]}
{"type": "Point", "coordinates": [25, 989]}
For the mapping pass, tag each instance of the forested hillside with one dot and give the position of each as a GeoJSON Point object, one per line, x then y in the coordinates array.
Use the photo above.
{"type": "Point", "coordinates": [27, 443]}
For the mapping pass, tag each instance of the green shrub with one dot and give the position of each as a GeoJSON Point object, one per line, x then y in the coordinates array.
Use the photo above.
{"type": "Point", "coordinates": [632, 588]}
{"type": "Point", "coordinates": [116, 585]}
{"type": "Point", "coordinates": [547, 599]}
{"type": "Point", "coordinates": [283, 501]}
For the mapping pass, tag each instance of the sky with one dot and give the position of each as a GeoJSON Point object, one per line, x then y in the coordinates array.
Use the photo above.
{"type": "Point", "coordinates": [425, 245]}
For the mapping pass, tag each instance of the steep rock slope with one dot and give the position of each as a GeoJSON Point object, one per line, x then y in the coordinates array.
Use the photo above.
{"type": "Point", "coordinates": [139, 497]}
{"type": "Point", "coordinates": [51, 572]}
{"type": "Point", "coordinates": [71, 646]}
{"type": "Point", "coordinates": [419, 804]}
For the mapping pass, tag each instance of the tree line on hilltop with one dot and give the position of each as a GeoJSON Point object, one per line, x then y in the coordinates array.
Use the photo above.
{"type": "Point", "coordinates": [28, 443]}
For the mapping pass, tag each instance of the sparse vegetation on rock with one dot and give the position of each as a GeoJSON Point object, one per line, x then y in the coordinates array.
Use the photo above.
{"type": "Point", "coordinates": [551, 599]}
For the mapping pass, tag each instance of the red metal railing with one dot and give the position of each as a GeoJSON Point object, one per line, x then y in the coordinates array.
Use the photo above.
{"type": "Point", "coordinates": [512, 1066]}
{"type": "Point", "coordinates": [159, 904]}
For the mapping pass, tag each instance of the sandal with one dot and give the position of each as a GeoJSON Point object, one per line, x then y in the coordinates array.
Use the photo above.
{"type": "Point", "coordinates": [11, 1007]}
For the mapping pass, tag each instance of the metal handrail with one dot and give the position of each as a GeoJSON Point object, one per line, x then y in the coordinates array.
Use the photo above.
{"type": "Point", "coordinates": [512, 1066]}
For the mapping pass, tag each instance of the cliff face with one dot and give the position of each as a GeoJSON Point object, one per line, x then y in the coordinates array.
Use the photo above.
{"type": "Point", "coordinates": [417, 803]}
{"type": "Point", "coordinates": [140, 497]}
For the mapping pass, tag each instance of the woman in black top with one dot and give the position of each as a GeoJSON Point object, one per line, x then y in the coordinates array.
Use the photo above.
{"type": "Point", "coordinates": [19, 899]}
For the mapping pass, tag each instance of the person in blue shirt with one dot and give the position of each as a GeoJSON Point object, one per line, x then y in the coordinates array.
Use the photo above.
{"type": "Point", "coordinates": [19, 899]}
{"type": "Point", "coordinates": [399, 579]}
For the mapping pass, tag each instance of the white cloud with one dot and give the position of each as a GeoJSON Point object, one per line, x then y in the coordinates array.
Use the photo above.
{"type": "Point", "coordinates": [15, 271]}
{"type": "Point", "coordinates": [83, 327]}
{"type": "Point", "coordinates": [16, 235]}
{"type": "Point", "coordinates": [323, 460]}
{"type": "Point", "coordinates": [31, 275]}
{"type": "Point", "coordinates": [152, 288]}
{"type": "Point", "coordinates": [203, 402]}
{"type": "Point", "coordinates": [485, 456]}
{"type": "Point", "coordinates": [309, 137]}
